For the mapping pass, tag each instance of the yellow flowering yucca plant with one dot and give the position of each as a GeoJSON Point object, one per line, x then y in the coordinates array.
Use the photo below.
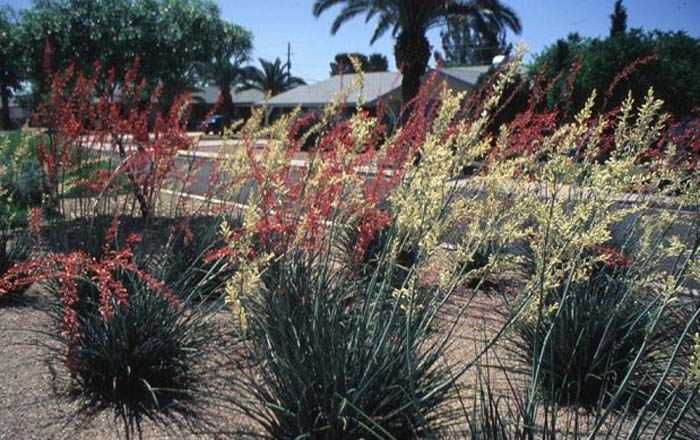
{"type": "Point", "coordinates": [22, 182]}
{"type": "Point", "coordinates": [612, 246]}
{"type": "Point", "coordinates": [348, 252]}
{"type": "Point", "coordinates": [20, 188]}
{"type": "Point", "coordinates": [360, 339]}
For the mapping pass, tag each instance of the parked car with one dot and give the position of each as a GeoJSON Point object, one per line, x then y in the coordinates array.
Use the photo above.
{"type": "Point", "coordinates": [215, 125]}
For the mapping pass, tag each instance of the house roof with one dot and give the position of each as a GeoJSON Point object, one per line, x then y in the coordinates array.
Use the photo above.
{"type": "Point", "coordinates": [377, 85]}
{"type": "Point", "coordinates": [210, 94]}
{"type": "Point", "coordinates": [469, 74]}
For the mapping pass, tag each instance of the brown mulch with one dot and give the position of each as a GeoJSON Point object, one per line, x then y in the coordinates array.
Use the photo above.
{"type": "Point", "coordinates": [35, 392]}
{"type": "Point", "coordinates": [37, 402]}
{"type": "Point", "coordinates": [35, 389]}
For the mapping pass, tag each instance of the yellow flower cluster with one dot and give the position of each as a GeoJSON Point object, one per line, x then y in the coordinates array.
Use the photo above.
{"type": "Point", "coordinates": [560, 205]}
{"type": "Point", "coordinates": [693, 374]}
{"type": "Point", "coordinates": [14, 157]}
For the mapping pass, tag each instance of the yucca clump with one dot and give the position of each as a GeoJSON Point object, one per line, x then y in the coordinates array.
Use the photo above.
{"type": "Point", "coordinates": [593, 323]}
{"type": "Point", "coordinates": [21, 178]}
{"type": "Point", "coordinates": [140, 362]}
{"type": "Point", "coordinates": [336, 364]}
{"type": "Point", "coordinates": [584, 349]}
{"type": "Point", "coordinates": [188, 261]}
{"type": "Point", "coordinates": [590, 316]}
{"type": "Point", "coordinates": [14, 248]}
{"type": "Point", "coordinates": [344, 352]}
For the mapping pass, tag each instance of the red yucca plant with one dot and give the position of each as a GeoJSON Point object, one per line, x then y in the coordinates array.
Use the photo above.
{"type": "Point", "coordinates": [549, 105]}
{"type": "Point", "coordinates": [685, 136]}
{"type": "Point", "coordinates": [71, 269]}
{"type": "Point", "coordinates": [358, 365]}
{"type": "Point", "coordinates": [296, 205]}
{"type": "Point", "coordinates": [116, 124]}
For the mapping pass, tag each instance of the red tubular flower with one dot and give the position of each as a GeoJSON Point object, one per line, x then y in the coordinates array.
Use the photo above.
{"type": "Point", "coordinates": [614, 259]}
{"type": "Point", "coordinates": [373, 222]}
{"type": "Point", "coordinates": [68, 270]}
{"type": "Point", "coordinates": [86, 123]}
{"type": "Point", "coordinates": [35, 222]}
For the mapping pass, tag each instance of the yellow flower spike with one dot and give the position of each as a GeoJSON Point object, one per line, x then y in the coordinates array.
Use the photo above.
{"type": "Point", "coordinates": [232, 298]}
{"type": "Point", "coordinates": [692, 377]}
{"type": "Point", "coordinates": [225, 230]}
{"type": "Point", "coordinates": [404, 296]}
{"type": "Point", "coordinates": [246, 281]}
{"type": "Point", "coordinates": [531, 311]}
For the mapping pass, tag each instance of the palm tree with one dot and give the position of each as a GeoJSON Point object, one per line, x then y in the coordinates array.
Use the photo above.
{"type": "Point", "coordinates": [9, 64]}
{"type": "Point", "coordinates": [273, 78]}
{"type": "Point", "coordinates": [231, 47]}
{"type": "Point", "coordinates": [410, 20]}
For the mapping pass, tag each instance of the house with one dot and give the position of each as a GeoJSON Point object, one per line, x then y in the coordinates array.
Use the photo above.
{"type": "Point", "coordinates": [19, 114]}
{"type": "Point", "coordinates": [207, 97]}
{"type": "Point", "coordinates": [384, 87]}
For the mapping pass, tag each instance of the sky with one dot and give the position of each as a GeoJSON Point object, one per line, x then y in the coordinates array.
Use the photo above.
{"type": "Point", "coordinates": [275, 23]}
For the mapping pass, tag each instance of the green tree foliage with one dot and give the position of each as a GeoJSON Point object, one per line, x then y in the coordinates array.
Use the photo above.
{"type": "Point", "coordinates": [673, 73]}
{"type": "Point", "coordinates": [272, 78]}
{"type": "Point", "coordinates": [473, 40]}
{"type": "Point", "coordinates": [409, 21]}
{"type": "Point", "coordinates": [618, 19]}
{"type": "Point", "coordinates": [169, 36]}
{"type": "Point", "coordinates": [376, 62]}
{"type": "Point", "coordinates": [10, 68]}
{"type": "Point", "coordinates": [229, 51]}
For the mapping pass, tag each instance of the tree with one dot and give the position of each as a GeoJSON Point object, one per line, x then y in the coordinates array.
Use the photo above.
{"type": "Point", "coordinates": [230, 49]}
{"type": "Point", "coordinates": [673, 73]}
{"type": "Point", "coordinates": [374, 63]}
{"type": "Point", "coordinates": [273, 78]}
{"type": "Point", "coordinates": [377, 63]}
{"type": "Point", "coordinates": [467, 41]}
{"type": "Point", "coordinates": [171, 37]}
{"type": "Point", "coordinates": [9, 63]}
{"type": "Point", "coordinates": [409, 21]}
{"type": "Point", "coordinates": [618, 19]}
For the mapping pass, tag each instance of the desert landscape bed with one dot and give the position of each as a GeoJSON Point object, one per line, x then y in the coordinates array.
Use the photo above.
{"type": "Point", "coordinates": [192, 246]}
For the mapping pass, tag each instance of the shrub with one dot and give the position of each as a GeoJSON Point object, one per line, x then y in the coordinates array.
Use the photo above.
{"type": "Point", "coordinates": [15, 244]}
{"type": "Point", "coordinates": [324, 337]}
{"type": "Point", "coordinates": [671, 73]}
{"type": "Point", "coordinates": [140, 362]}
{"type": "Point", "coordinates": [335, 363]}
{"type": "Point", "coordinates": [124, 337]}
{"type": "Point", "coordinates": [22, 180]}
{"type": "Point", "coordinates": [72, 269]}
{"type": "Point", "coordinates": [108, 145]}
{"type": "Point", "coordinates": [584, 348]}
{"type": "Point", "coordinates": [188, 262]}
{"type": "Point", "coordinates": [14, 248]}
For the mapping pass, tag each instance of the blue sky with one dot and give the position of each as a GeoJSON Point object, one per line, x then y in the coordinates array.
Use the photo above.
{"type": "Point", "coordinates": [276, 22]}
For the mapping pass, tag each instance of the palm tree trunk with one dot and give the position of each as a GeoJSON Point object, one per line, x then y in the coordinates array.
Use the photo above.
{"type": "Point", "coordinates": [412, 52]}
{"type": "Point", "coordinates": [226, 106]}
{"type": "Point", "coordinates": [5, 121]}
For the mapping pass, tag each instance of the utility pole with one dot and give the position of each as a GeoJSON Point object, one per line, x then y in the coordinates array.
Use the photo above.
{"type": "Point", "coordinates": [289, 61]}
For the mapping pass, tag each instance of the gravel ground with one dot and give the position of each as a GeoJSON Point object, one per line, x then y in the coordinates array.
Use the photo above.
{"type": "Point", "coordinates": [35, 400]}
{"type": "Point", "coordinates": [35, 393]}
